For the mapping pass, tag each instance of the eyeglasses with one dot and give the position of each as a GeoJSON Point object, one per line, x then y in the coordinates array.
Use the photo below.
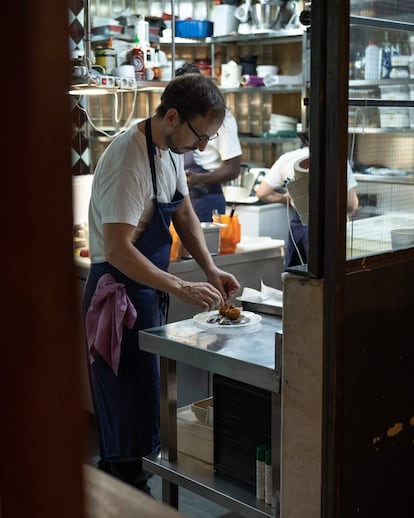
{"type": "Point", "coordinates": [200, 139]}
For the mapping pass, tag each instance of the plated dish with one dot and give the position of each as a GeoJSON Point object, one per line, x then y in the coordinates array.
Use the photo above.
{"type": "Point", "coordinates": [212, 319]}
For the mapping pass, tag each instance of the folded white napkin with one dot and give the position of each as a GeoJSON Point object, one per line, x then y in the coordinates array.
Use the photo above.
{"type": "Point", "coordinates": [267, 295]}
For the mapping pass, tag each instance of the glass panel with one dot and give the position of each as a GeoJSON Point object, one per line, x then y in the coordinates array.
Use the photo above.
{"type": "Point", "coordinates": [381, 126]}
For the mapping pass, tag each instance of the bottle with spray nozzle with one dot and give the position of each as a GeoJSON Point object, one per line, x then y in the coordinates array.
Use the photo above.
{"type": "Point", "coordinates": [137, 59]}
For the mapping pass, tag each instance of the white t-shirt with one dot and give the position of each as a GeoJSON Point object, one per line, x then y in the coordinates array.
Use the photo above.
{"type": "Point", "coordinates": [224, 147]}
{"type": "Point", "coordinates": [122, 188]}
{"type": "Point", "coordinates": [283, 170]}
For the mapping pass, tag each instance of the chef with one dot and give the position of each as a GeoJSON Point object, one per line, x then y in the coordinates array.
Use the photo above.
{"type": "Point", "coordinates": [139, 186]}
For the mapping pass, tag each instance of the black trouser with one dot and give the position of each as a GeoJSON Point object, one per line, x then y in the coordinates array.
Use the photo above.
{"type": "Point", "coordinates": [130, 472]}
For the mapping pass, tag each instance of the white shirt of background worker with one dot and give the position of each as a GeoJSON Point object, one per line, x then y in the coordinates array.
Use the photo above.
{"type": "Point", "coordinates": [217, 164]}
{"type": "Point", "coordinates": [282, 171]}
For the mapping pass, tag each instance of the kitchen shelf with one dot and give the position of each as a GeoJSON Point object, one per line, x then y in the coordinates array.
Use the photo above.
{"type": "Point", "coordinates": [380, 23]}
{"type": "Point", "coordinates": [281, 36]}
{"type": "Point", "coordinates": [251, 106]}
{"type": "Point", "coordinates": [364, 84]}
{"type": "Point", "coordinates": [264, 36]}
{"type": "Point", "coordinates": [363, 130]}
{"type": "Point", "coordinates": [280, 89]}
{"type": "Point", "coordinates": [201, 478]}
{"type": "Point", "coordinates": [269, 140]}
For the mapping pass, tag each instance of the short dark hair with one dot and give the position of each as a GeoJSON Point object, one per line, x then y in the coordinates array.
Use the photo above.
{"type": "Point", "coordinates": [192, 95]}
{"type": "Point", "coordinates": [187, 68]}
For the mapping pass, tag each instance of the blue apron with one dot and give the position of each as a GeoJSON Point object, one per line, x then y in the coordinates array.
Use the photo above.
{"type": "Point", "coordinates": [126, 406]}
{"type": "Point", "coordinates": [300, 235]}
{"type": "Point", "coordinates": [204, 198]}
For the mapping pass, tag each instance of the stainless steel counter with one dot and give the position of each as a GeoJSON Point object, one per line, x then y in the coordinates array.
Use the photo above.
{"type": "Point", "coordinates": [246, 354]}
{"type": "Point", "coordinates": [251, 355]}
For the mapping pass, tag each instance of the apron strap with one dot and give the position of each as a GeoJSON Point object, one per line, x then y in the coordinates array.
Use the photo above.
{"type": "Point", "coordinates": [151, 153]}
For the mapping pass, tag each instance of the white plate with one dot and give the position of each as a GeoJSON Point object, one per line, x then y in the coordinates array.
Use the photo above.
{"type": "Point", "coordinates": [202, 320]}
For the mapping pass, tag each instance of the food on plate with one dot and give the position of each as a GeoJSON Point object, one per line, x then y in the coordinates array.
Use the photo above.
{"type": "Point", "coordinates": [230, 311]}
{"type": "Point", "coordinates": [214, 318]}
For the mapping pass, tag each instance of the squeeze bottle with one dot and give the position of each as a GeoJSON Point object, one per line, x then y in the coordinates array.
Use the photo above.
{"type": "Point", "coordinates": [137, 59]}
{"type": "Point", "coordinates": [372, 61]}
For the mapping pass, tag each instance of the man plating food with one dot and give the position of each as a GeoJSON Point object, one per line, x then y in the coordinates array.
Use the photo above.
{"type": "Point", "coordinates": [139, 187]}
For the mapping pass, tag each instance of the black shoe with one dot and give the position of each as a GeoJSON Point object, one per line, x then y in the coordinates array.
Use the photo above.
{"type": "Point", "coordinates": [105, 466]}
{"type": "Point", "coordinates": [145, 489]}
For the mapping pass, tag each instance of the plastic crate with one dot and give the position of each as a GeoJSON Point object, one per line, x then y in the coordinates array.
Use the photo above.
{"type": "Point", "coordinates": [193, 28]}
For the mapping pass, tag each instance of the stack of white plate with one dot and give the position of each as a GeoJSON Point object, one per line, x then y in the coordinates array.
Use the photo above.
{"type": "Point", "coordinates": [282, 123]}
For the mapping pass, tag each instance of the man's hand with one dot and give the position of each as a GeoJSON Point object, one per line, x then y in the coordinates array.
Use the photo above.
{"type": "Point", "coordinates": [201, 294]}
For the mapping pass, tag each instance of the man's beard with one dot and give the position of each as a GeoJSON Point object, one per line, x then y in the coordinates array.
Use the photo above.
{"type": "Point", "coordinates": [172, 146]}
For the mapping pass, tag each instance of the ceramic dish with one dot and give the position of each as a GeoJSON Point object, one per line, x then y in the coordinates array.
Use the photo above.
{"type": "Point", "coordinates": [207, 320]}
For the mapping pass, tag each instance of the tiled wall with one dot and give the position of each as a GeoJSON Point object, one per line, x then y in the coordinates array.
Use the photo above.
{"type": "Point", "coordinates": [80, 143]}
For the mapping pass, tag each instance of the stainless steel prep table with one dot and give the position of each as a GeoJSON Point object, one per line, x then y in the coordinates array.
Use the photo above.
{"type": "Point", "coordinates": [250, 355]}
{"type": "Point", "coordinates": [250, 267]}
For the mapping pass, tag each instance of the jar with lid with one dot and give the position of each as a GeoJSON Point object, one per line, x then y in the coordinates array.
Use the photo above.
{"type": "Point", "coordinates": [106, 57]}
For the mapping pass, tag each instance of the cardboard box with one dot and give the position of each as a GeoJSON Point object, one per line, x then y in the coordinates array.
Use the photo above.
{"type": "Point", "coordinates": [194, 438]}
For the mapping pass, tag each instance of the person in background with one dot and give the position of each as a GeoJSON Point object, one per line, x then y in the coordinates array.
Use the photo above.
{"type": "Point", "coordinates": [217, 164]}
{"type": "Point", "coordinates": [139, 186]}
{"type": "Point", "coordinates": [272, 190]}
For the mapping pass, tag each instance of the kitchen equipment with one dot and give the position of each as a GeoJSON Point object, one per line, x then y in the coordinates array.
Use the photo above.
{"type": "Point", "coordinates": [224, 19]}
{"type": "Point", "coordinates": [248, 64]}
{"type": "Point", "coordinates": [212, 234]}
{"type": "Point", "coordinates": [123, 71]}
{"type": "Point", "coordinates": [205, 320]}
{"type": "Point", "coordinates": [230, 232]}
{"type": "Point", "coordinates": [242, 421]}
{"type": "Point", "coordinates": [242, 13]}
{"type": "Point", "coordinates": [193, 28]}
{"type": "Point", "coordinates": [245, 179]}
{"type": "Point", "coordinates": [264, 15]}
{"type": "Point", "coordinates": [251, 80]}
{"type": "Point", "coordinates": [230, 74]}
{"type": "Point", "coordinates": [266, 70]}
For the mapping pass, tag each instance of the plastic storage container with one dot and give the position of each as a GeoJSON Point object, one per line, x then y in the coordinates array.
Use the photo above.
{"type": "Point", "coordinates": [398, 117]}
{"type": "Point", "coordinates": [193, 28]}
{"type": "Point", "coordinates": [194, 438]}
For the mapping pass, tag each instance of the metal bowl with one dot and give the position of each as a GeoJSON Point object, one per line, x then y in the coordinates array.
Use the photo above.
{"type": "Point", "coordinates": [264, 15]}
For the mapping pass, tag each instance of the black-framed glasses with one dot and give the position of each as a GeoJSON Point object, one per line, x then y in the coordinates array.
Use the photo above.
{"type": "Point", "coordinates": [200, 139]}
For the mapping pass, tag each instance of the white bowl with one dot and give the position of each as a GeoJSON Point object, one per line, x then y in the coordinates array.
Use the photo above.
{"type": "Point", "coordinates": [266, 70]}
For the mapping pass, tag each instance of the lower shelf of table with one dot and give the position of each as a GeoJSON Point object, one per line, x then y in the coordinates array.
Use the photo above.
{"type": "Point", "coordinates": [201, 478]}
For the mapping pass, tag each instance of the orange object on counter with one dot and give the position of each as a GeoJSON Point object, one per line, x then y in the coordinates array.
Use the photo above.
{"type": "Point", "coordinates": [230, 234]}
{"type": "Point", "coordinates": [175, 245]}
